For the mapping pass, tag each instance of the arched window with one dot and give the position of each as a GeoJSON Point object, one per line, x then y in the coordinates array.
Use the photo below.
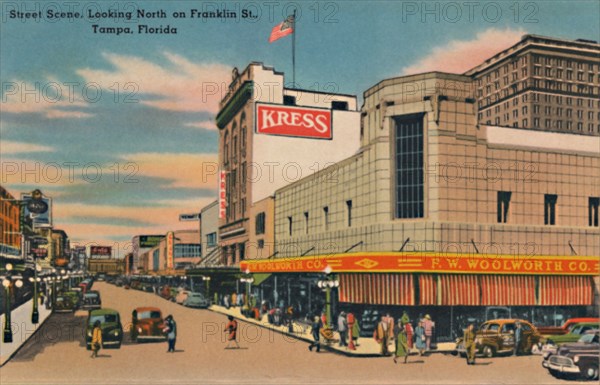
{"type": "Point", "coordinates": [243, 134]}
{"type": "Point", "coordinates": [226, 148]}
{"type": "Point", "coordinates": [234, 142]}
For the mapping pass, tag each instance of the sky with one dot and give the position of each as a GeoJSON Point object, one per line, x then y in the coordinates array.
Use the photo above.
{"type": "Point", "coordinates": [119, 129]}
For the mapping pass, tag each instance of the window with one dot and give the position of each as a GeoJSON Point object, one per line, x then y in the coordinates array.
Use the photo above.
{"type": "Point", "coordinates": [187, 250]}
{"type": "Point", "coordinates": [260, 223]}
{"type": "Point", "coordinates": [326, 217]}
{"type": "Point", "coordinates": [261, 243]}
{"type": "Point", "coordinates": [290, 225]}
{"type": "Point", "coordinates": [409, 166]}
{"type": "Point", "coordinates": [503, 203]}
{"type": "Point", "coordinates": [349, 212]}
{"type": "Point", "coordinates": [242, 247]}
{"type": "Point", "coordinates": [550, 209]}
{"type": "Point", "coordinates": [594, 202]}
{"type": "Point", "coordinates": [211, 239]}
{"type": "Point", "coordinates": [289, 100]}
{"type": "Point", "coordinates": [337, 105]}
{"type": "Point", "coordinates": [306, 221]}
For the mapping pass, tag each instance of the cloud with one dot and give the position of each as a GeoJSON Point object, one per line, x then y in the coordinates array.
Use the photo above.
{"type": "Point", "coordinates": [11, 147]}
{"type": "Point", "coordinates": [204, 124]}
{"type": "Point", "coordinates": [180, 85]}
{"type": "Point", "coordinates": [459, 56]}
{"type": "Point", "coordinates": [186, 170]}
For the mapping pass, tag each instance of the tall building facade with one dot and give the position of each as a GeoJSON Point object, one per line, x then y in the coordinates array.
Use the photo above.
{"type": "Point", "coordinates": [9, 223]}
{"type": "Point", "coordinates": [541, 83]}
{"type": "Point", "coordinates": [269, 136]}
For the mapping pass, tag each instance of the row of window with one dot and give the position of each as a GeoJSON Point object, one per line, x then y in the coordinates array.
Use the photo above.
{"type": "Point", "coordinates": [325, 219]}
{"type": "Point", "coordinates": [187, 250]}
{"type": "Point", "coordinates": [550, 200]}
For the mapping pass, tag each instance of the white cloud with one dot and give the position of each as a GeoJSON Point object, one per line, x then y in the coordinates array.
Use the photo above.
{"type": "Point", "coordinates": [459, 56]}
{"type": "Point", "coordinates": [204, 124]}
{"type": "Point", "coordinates": [11, 147]}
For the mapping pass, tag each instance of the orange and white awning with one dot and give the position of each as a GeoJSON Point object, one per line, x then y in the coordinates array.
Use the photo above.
{"type": "Point", "coordinates": [377, 289]}
{"type": "Point", "coordinates": [565, 290]}
{"type": "Point", "coordinates": [459, 290]}
{"type": "Point", "coordinates": [507, 290]}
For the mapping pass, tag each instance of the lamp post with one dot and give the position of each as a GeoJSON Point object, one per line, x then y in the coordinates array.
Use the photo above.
{"type": "Point", "coordinates": [35, 314]}
{"type": "Point", "coordinates": [206, 280]}
{"type": "Point", "coordinates": [54, 278]}
{"type": "Point", "coordinates": [248, 281]}
{"type": "Point", "coordinates": [7, 282]}
{"type": "Point", "coordinates": [327, 284]}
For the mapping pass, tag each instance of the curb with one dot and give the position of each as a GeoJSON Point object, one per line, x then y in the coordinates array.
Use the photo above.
{"type": "Point", "coordinates": [24, 342]}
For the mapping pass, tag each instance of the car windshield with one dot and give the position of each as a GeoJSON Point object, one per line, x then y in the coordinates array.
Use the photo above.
{"type": "Point", "coordinates": [199, 295]}
{"type": "Point", "coordinates": [589, 338]}
{"type": "Point", "coordinates": [104, 318]}
{"type": "Point", "coordinates": [149, 314]}
{"type": "Point", "coordinates": [91, 295]}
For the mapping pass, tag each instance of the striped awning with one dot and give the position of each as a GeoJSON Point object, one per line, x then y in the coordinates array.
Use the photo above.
{"type": "Point", "coordinates": [377, 289]}
{"type": "Point", "coordinates": [565, 290]}
{"type": "Point", "coordinates": [428, 292]}
{"type": "Point", "coordinates": [506, 290]}
{"type": "Point", "coordinates": [459, 290]}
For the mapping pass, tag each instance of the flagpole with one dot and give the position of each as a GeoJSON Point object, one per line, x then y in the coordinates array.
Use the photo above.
{"type": "Point", "coordinates": [294, 52]}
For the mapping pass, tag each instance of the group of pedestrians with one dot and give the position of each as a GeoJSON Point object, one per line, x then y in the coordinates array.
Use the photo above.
{"type": "Point", "coordinates": [403, 334]}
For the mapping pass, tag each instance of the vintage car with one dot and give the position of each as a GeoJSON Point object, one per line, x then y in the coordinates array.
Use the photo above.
{"type": "Point", "coordinates": [65, 303]}
{"type": "Point", "coordinates": [578, 358]}
{"type": "Point", "coordinates": [196, 300]}
{"type": "Point", "coordinates": [496, 337]}
{"type": "Point", "coordinates": [181, 296]}
{"type": "Point", "coordinates": [147, 324]}
{"type": "Point", "coordinates": [110, 323]}
{"type": "Point", "coordinates": [566, 327]}
{"type": "Point", "coordinates": [91, 300]}
{"type": "Point", "coordinates": [573, 335]}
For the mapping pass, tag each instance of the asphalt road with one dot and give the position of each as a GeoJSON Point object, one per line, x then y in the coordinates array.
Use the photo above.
{"type": "Point", "coordinates": [57, 354]}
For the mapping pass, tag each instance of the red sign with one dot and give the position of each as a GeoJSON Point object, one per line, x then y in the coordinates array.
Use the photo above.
{"type": "Point", "coordinates": [429, 263]}
{"type": "Point", "coordinates": [170, 247]}
{"type": "Point", "coordinates": [293, 121]}
{"type": "Point", "coordinates": [100, 251]}
{"type": "Point", "coordinates": [222, 201]}
{"type": "Point", "coordinates": [39, 252]}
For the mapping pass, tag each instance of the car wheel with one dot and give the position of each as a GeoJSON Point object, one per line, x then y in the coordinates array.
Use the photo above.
{"type": "Point", "coordinates": [590, 372]}
{"type": "Point", "coordinates": [488, 352]}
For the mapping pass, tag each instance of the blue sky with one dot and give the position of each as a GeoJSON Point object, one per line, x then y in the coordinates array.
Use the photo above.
{"type": "Point", "coordinates": [129, 166]}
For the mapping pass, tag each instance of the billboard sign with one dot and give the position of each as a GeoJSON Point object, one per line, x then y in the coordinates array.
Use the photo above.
{"type": "Point", "coordinates": [189, 217]}
{"type": "Point", "coordinates": [39, 210]}
{"type": "Point", "coordinates": [170, 247]}
{"type": "Point", "coordinates": [100, 251]}
{"type": "Point", "coordinates": [222, 200]}
{"type": "Point", "coordinates": [301, 122]}
{"type": "Point", "coordinates": [149, 241]}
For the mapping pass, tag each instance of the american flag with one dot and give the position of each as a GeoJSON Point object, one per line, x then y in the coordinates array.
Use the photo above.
{"type": "Point", "coordinates": [282, 29]}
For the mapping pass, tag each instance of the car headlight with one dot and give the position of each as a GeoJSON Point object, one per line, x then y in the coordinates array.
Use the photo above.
{"type": "Point", "coordinates": [116, 332]}
{"type": "Point", "coordinates": [139, 330]}
{"type": "Point", "coordinates": [576, 359]}
{"type": "Point", "coordinates": [89, 333]}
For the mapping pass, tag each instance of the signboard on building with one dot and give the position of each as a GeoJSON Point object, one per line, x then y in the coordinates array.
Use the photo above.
{"type": "Point", "coordinates": [149, 241]}
{"type": "Point", "coordinates": [222, 192]}
{"type": "Point", "coordinates": [170, 247]}
{"type": "Point", "coordinates": [189, 217]}
{"type": "Point", "coordinates": [100, 251]}
{"type": "Point", "coordinates": [39, 209]}
{"type": "Point", "coordinates": [293, 121]}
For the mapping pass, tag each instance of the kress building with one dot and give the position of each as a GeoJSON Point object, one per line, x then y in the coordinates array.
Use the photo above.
{"type": "Point", "coordinates": [492, 221]}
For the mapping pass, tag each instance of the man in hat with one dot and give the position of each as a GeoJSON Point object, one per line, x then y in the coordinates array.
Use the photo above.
{"type": "Point", "coordinates": [428, 324]}
{"type": "Point", "coordinates": [342, 328]}
{"type": "Point", "coordinates": [470, 344]}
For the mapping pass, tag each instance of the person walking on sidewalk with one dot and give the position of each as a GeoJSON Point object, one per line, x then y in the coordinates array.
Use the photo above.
{"type": "Point", "coordinates": [231, 328]}
{"type": "Point", "coordinates": [355, 331]}
{"type": "Point", "coordinates": [401, 342]}
{"type": "Point", "coordinates": [342, 325]}
{"type": "Point", "coordinates": [428, 324]}
{"type": "Point", "coordinates": [171, 330]}
{"type": "Point", "coordinates": [315, 331]}
{"type": "Point", "coordinates": [96, 339]}
{"type": "Point", "coordinates": [420, 338]}
{"type": "Point", "coordinates": [381, 336]}
{"type": "Point", "coordinates": [470, 344]}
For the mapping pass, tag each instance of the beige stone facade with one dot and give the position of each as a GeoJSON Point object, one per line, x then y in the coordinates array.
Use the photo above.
{"type": "Point", "coordinates": [465, 166]}
{"type": "Point", "coordinates": [542, 83]}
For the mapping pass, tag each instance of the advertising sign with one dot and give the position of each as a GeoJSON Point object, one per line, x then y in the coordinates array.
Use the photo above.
{"type": "Point", "coordinates": [189, 217]}
{"type": "Point", "coordinates": [292, 121]}
{"type": "Point", "coordinates": [170, 247]}
{"type": "Point", "coordinates": [149, 241]}
{"type": "Point", "coordinates": [100, 251]}
{"type": "Point", "coordinates": [222, 201]}
{"type": "Point", "coordinates": [39, 210]}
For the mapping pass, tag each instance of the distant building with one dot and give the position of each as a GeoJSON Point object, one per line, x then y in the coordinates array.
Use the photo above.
{"type": "Point", "coordinates": [9, 225]}
{"type": "Point", "coordinates": [541, 83]}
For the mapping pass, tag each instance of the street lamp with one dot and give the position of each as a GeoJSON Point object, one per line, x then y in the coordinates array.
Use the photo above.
{"type": "Point", "coordinates": [248, 281]}
{"type": "Point", "coordinates": [206, 280]}
{"type": "Point", "coordinates": [7, 282]}
{"type": "Point", "coordinates": [327, 284]}
{"type": "Point", "coordinates": [35, 314]}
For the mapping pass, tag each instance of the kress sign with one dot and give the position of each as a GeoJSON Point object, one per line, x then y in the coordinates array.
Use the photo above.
{"type": "Point", "coordinates": [293, 121]}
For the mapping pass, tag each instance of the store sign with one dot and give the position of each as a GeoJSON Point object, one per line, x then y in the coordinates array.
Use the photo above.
{"type": "Point", "coordinates": [38, 209]}
{"type": "Point", "coordinates": [100, 251]}
{"type": "Point", "coordinates": [222, 201]}
{"type": "Point", "coordinates": [149, 241]}
{"type": "Point", "coordinates": [429, 263]}
{"type": "Point", "coordinates": [39, 252]}
{"type": "Point", "coordinates": [189, 217]}
{"type": "Point", "coordinates": [170, 247]}
{"type": "Point", "coordinates": [293, 121]}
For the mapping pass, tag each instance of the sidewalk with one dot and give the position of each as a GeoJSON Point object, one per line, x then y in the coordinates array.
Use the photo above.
{"type": "Point", "coordinates": [22, 328]}
{"type": "Point", "coordinates": [367, 347]}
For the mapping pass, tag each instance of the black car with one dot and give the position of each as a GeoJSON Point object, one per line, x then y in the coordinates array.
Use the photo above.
{"type": "Point", "coordinates": [579, 358]}
{"type": "Point", "coordinates": [91, 300]}
{"type": "Point", "coordinates": [110, 323]}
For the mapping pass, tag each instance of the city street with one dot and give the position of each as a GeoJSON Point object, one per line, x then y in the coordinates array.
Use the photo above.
{"type": "Point", "coordinates": [57, 354]}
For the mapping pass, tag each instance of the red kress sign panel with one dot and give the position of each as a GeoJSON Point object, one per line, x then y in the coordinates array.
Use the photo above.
{"type": "Point", "coordinates": [429, 263]}
{"type": "Point", "coordinates": [293, 121]}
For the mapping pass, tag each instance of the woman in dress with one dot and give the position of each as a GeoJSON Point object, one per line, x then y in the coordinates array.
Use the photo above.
{"type": "Point", "coordinates": [420, 338]}
{"type": "Point", "coordinates": [401, 342]}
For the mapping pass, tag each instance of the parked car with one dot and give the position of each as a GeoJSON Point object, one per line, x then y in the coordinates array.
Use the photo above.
{"type": "Point", "coordinates": [496, 337]}
{"type": "Point", "coordinates": [181, 296]}
{"type": "Point", "coordinates": [194, 299]}
{"type": "Point", "coordinates": [91, 300]}
{"type": "Point", "coordinates": [65, 303]}
{"type": "Point", "coordinates": [578, 358]}
{"type": "Point", "coordinates": [566, 327]}
{"type": "Point", "coordinates": [574, 334]}
{"type": "Point", "coordinates": [110, 323]}
{"type": "Point", "coordinates": [147, 323]}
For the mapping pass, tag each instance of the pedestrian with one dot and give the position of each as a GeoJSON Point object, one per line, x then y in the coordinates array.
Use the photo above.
{"type": "Point", "coordinates": [324, 319]}
{"type": "Point", "coordinates": [315, 331]}
{"type": "Point", "coordinates": [470, 344]}
{"type": "Point", "coordinates": [420, 338]}
{"type": "Point", "coordinates": [409, 330]}
{"type": "Point", "coordinates": [355, 331]}
{"type": "Point", "coordinates": [226, 301]}
{"type": "Point", "coordinates": [171, 330]}
{"type": "Point", "coordinates": [234, 299]}
{"type": "Point", "coordinates": [518, 338]}
{"type": "Point", "coordinates": [231, 328]}
{"type": "Point", "coordinates": [428, 324]}
{"type": "Point", "coordinates": [401, 342]}
{"type": "Point", "coordinates": [96, 339]}
{"type": "Point", "coordinates": [381, 336]}
{"type": "Point", "coordinates": [342, 325]}
{"type": "Point", "coordinates": [290, 318]}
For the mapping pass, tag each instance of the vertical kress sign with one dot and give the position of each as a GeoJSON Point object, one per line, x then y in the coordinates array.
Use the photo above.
{"type": "Point", "coordinates": [293, 121]}
{"type": "Point", "coordinates": [222, 200]}
{"type": "Point", "coordinates": [170, 246]}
